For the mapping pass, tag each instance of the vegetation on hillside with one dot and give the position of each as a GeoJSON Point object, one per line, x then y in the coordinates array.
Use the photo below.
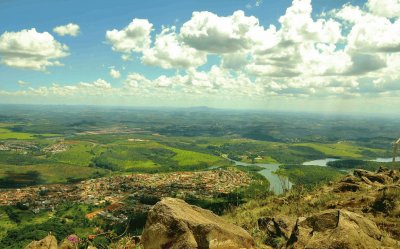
{"type": "Point", "coordinates": [361, 164]}
{"type": "Point", "coordinates": [309, 176]}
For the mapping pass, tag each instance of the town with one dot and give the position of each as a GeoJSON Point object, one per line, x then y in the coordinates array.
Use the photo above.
{"type": "Point", "coordinates": [109, 191]}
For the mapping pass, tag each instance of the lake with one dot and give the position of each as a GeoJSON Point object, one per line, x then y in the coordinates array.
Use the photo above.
{"type": "Point", "coordinates": [325, 161]}
{"type": "Point", "coordinates": [386, 160]}
{"type": "Point", "coordinates": [320, 162]}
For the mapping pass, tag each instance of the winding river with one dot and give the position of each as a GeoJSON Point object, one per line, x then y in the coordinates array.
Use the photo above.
{"type": "Point", "coordinates": [279, 184]}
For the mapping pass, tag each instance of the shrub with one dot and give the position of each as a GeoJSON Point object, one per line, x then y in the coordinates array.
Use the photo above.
{"type": "Point", "coordinates": [386, 201]}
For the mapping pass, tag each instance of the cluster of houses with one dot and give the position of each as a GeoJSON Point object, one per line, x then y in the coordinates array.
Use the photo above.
{"type": "Point", "coordinates": [56, 148]}
{"type": "Point", "coordinates": [110, 191]}
{"type": "Point", "coordinates": [17, 146]}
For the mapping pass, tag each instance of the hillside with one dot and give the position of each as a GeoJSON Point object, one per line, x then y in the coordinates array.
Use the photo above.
{"type": "Point", "coordinates": [361, 210]}
{"type": "Point", "coordinates": [274, 222]}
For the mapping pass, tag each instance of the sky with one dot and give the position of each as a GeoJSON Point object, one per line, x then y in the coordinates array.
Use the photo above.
{"type": "Point", "coordinates": [300, 55]}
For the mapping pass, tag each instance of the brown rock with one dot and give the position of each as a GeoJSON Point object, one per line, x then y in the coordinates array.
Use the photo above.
{"type": "Point", "coordinates": [174, 224]}
{"type": "Point", "coordinates": [276, 229]}
{"type": "Point", "coordinates": [338, 229]}
{"type": "Point", "coordinates": [49, 242]}
{"type": "Point", "coordinates": [345, 187]}
{"type": "Point", "coordinates": [350, 179]}
{"type": "Point", "coordinates": [366, 180]}
{"type": "Point", "coordinates": [373, 177]}
{"type": "Point", "coordinates": [277, 226]}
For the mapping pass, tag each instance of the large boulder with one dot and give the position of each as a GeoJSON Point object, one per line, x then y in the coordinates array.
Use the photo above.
{"type": "Point", "coordinates": [49, 242]}
{"type": "Point", "coordinates": [338, 229]}
{"type": "Point", "coordinates": [174, 224]}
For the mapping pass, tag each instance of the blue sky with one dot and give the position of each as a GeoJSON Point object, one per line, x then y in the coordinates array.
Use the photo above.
{"type": "Point", "coordinates": [326, 60]}
{"type": "Point", "coordinates": [94, 19]}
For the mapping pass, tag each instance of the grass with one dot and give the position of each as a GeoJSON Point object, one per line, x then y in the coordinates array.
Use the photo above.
{"type": "Point", "coordinates": [54, 173]}
{"type": "Point", "coordinates": [309, 175]}
{"type": "Point", "coordinates": [151, 155]}
{"type": "Point", "coordinates": [79, 153]}
{"type": "Point", "coordinates": [188, 158]}
{"type": "Point", "coordinates": [362, 164]}
{"type": "Point", "coordinates": [8, 134]}
{"type": "Point", "coordinates": [19, 227]}
{"type": "Point", "coordinates": [159, 153]}
{"type": "Point", "coordinates": [381, 205]}
{"type": "Point", "coordinates": [27, 218]}
{"type": "Point", "coordinates": [344, 150]}
{"type": "Point", "coordinates": [5, 223]}
{"type": "Point", "coordinates": [266, 159]}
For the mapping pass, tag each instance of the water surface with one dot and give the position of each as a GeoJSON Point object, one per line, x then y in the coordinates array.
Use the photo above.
{"type": "Point", "coordinates": [277, 184]}
{"type": "Point", "coordinates": [323, 162]}
{"type": "Point", "coordinates": [386, 160]}
{"type": "Point", "coordinates": [320, 162]}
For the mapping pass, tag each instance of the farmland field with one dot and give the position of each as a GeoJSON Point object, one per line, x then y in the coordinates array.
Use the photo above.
{"type": "Point", "coordinates": [90, 144]}
{"type": "Point", "coordinates": [6, 133]}
{"type": "Point", "coordinates": [78, 153]}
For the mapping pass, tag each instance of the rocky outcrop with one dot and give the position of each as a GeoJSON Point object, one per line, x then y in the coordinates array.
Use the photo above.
{"type": "Point", "coordinates": [363, 178]}
{"type": "Point", "coordinates": [276, 226]}
{"type": "Point", "coordinates": [174, 224]}
{"type": "Point", "coordinates": [382, 177]}
{"type": "Point", "coordinates": [49, 242]}
{"type": "Point", "coordinates": [346, 187]}
{"type": "Point", "coordinates": [277, 229]}
{"type": "Point", "coordinates": [338, 229]}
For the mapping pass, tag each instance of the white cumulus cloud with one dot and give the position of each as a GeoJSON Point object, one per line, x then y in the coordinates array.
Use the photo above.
{"type": "Point", "coordinates": [71, 29]}
{"type": "Point", "coordinates": [386, 8]}
{"type": "Point", "coordinates": [115, 73]}
{"type": "Point", "coordinates": [346, 53]}
{"type": "Point", "coordinates": [208, 32]}
{"type": "Point", "coordinates": [169, 52]}
{"type": "Point", "coordinates": [133, 38]}
{"type": "Point", "coordinates": [31, 49]}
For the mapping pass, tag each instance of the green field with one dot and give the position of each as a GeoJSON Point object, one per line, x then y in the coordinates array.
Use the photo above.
{"type": "Point", "coordinates": [309, 176]}
{"type": "Point", "coordinates": [83, 158]}
{"type": "Point", "coordinates": [9, 134]}
{"type": "Point", "coordinates": [147, 141]}
{"type": "Point", "coordinates": [51, 173]}
{"type": "Point", "coordinates": [187, 158]}
{"type": "Point", "coordinates": [87, 155]}
{"type": "Point", "coordinates": [362, 164]}
{"type": "Point", "coordinates": [151, 155]}
{"type": "Point", "coordinates": [345, 150]}
{"type": "Point", "coordinates": [79, 153]}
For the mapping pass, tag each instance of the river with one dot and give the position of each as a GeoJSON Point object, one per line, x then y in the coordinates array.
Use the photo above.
{"type": "Point", "coordinates": [279, 184]}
